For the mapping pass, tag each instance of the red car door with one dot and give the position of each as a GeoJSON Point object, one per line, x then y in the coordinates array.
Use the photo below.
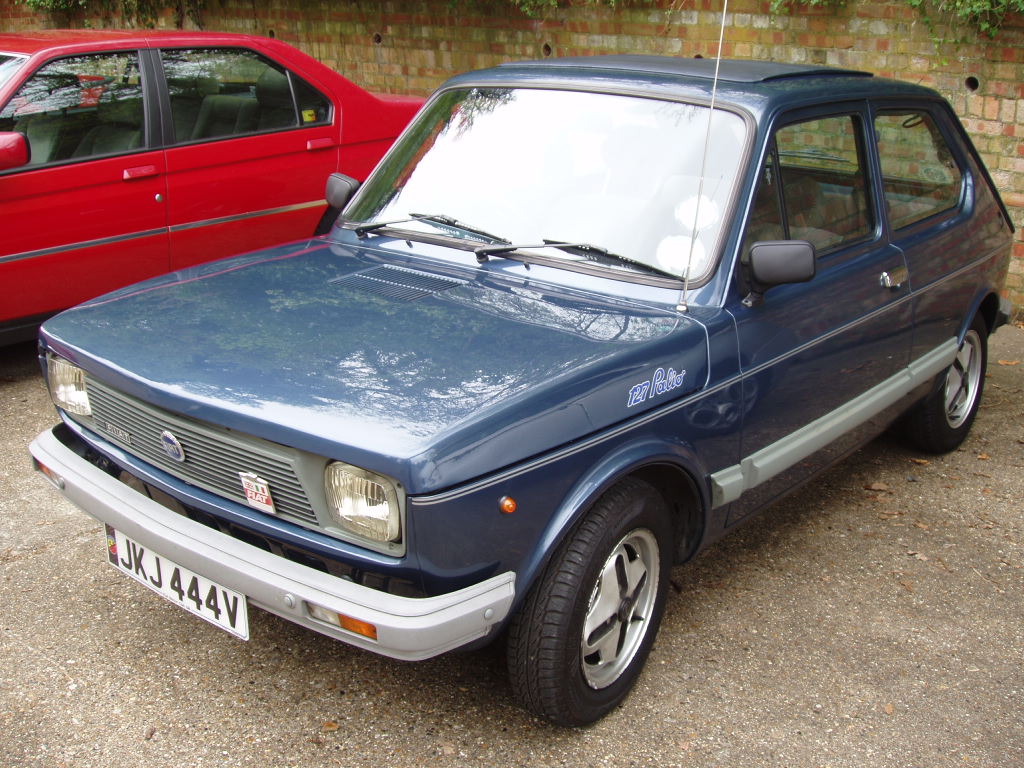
{"type": "Point", "coordinates": [253, 145]}
{"type": "Point", "coordinates": [87, 213]}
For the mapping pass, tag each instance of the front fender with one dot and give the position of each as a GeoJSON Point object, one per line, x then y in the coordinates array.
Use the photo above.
{"type": "Point", "coordinates": [465, 533]}
{"type": "Point", "coordinates": [629, 459]}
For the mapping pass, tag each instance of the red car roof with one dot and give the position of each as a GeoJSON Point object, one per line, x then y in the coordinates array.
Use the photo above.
{"type": "Point", "coordinates": [72, 40]}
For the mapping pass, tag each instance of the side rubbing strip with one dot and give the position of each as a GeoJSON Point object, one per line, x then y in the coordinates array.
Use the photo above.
{"type": "Point", "coordinates": [244, 216]}
{"type": "Point", "coordinates": [155, 232]}
{"type": "Point", "coordinates": [728, 484]}
{"type": "Point", "coordinates": [80, 245]}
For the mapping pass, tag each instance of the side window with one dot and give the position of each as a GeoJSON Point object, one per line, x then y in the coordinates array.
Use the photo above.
{"type": "Point", "coordinates": [766, 220]}
{"type": "Point", "coordinates": [232, 92]}
{"type": "Point", "coordinates": [813, 186]}
{"type": "Point", "coordinates": [823, 182]}
{"type": "Point", "coordinates": [79, 107]}
{"type": "Point", "coordinates": [919, 175]}
{"type": "Point", "coordinates": [314, 107]}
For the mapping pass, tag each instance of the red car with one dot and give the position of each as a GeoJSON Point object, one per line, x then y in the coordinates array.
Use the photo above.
{"type": "Point", "coordinates": [124, 155]}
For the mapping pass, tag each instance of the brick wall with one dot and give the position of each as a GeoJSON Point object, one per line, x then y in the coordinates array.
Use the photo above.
{"type": "Point", "coordinates": [410, 46]}
{"type": "Point", "coordinates": [14, 16]}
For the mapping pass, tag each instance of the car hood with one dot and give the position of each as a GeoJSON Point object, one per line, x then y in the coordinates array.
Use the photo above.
{"type": "Point", "coordinates": [430, 372]}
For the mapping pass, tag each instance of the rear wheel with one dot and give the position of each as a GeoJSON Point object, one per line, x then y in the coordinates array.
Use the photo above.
{"type": "Point", "coordinates": [579, 642]}
{"type": "Point", "coordinates": [941, 421]}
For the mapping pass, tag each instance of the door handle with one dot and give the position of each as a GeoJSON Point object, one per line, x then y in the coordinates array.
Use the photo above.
{"type": "Point", "coordinates": [139, 172]}
{"type": "Point", "coordinates": [894, 278]}
{"type": "Point", "coordinates": [320, 143]}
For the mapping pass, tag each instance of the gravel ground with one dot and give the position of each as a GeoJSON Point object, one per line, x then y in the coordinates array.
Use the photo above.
{"type": "Point", "coordinates": [872, 619]}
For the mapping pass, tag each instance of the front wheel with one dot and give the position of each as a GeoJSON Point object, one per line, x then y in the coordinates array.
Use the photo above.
{"type": "Point", "coordinates": [580, 640]}
{"type": "Point", "coordinates": [941, 421]}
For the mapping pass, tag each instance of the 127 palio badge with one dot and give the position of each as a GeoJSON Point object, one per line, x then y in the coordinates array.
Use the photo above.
{"type": "Point", "coordinates": [659, 384]}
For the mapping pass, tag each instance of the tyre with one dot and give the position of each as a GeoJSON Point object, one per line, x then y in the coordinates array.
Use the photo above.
{"type": "Point", "coordinates": [577, 645]}
{"type": "Point", "coordinates": [941, 421]}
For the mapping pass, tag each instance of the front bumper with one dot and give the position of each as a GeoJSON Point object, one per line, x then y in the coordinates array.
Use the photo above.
{"type": "Point", "coordinates": [407, 628]}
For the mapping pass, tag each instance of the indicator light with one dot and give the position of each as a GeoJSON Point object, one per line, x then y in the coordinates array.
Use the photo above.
{"type": "Point", "coordinates": [50, 475]}
{"type": "Point", "coordinates": [356, 626]}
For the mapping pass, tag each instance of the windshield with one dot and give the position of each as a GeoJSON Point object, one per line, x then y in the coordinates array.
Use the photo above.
{"type": "Point", "coordinates": [527, 165]}
{"type": "Point", "coordinates": [9, 64]}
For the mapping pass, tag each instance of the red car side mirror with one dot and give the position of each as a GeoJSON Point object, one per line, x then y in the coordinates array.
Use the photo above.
{"type": "Point", "coordinates": [14, 151]}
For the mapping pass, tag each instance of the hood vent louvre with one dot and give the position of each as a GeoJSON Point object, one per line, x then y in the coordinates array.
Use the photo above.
{"type": "Point", "coordinates": [397, 282]}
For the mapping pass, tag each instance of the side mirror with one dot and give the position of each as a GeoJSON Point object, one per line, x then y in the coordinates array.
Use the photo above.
{"type": "Point", "coordinates": [340, 189]}
{"type": "Point", "coordinates": [779, 262]}
{"type": "Point", "coordinates": [14, 151]}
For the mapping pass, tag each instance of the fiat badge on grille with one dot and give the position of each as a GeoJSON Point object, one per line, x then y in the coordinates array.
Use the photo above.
{"type": "Point", "coordinates": [172, 447]}
{"type": "Point", "coordinates": [257, 492]}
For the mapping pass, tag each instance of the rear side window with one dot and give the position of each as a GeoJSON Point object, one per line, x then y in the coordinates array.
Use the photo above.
{"type": "Point", "coordinates": [919, 174]}
{"type": "Point", "coordinates": [218, 93]}
{"type": "Point", "coordinates": [813, 186]}
{"type": "Point", "coordinates": [79, 107]}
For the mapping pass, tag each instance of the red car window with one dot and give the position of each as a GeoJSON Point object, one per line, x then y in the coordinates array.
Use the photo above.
{"type": "Point", "coordinates": [78, 107]}
{"type": "Point", "coordinates": [226, 92]}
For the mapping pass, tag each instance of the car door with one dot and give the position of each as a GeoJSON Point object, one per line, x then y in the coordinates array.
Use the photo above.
{"type": "Point", "coordinates": [816, 356]}
{"type": "Point", "coordinates": [253, 144]}
{"type": "Point", "coordinates": [941, 213]}
{"type": "Point", "coordinates": [86, 214]}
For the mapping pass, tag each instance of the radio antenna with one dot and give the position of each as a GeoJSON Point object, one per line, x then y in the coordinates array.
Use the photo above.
{"type": "Point", "coordinates": [681, 306]}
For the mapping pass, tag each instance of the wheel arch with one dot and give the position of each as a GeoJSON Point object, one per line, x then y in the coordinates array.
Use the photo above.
{"type": "Point", "coordinates": [672, 470]}
{"type": "Point", "coordinates": [987, 306]}
{"type": "Point", "coordinates": [681, 492]}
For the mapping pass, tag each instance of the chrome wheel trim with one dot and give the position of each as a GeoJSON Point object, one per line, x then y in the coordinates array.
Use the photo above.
{"type": "Point", "coordinates": [963, 380]}
{"type": "Point", "coordinates": [621, 608]}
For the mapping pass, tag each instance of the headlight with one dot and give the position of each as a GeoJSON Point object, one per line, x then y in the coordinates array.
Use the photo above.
{"type": "Point", "coordinates": [67, 386]}
{"type": "Point", "coordinates": [363, 503]}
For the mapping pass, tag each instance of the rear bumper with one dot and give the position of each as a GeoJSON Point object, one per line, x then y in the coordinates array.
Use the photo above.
{"type": "Point", "coordinates": [407, 628]}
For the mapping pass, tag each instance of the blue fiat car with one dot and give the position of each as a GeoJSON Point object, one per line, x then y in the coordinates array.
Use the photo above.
{"type": "Point", "coordinates": [585, 318]}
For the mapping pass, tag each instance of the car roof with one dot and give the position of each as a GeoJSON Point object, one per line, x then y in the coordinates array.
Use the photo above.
{"type": "Point", "coordinates": [756, 85]}
{"type": "Point", "coordinates": [76, 40]}
{"type": "Point", "coordinates": [731, 70]}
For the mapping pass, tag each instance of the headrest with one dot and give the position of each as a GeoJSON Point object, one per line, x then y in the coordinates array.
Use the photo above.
{"type": "Point", "coordinates": [122, 107]}
{"type": "Point", "coordinates": [272, 89]}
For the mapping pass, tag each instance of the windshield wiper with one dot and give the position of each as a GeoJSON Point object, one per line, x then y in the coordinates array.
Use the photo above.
{"type": "Point", "coordinates": [587, 250]}
{"type": "Point", "coordinates": [438, 219]}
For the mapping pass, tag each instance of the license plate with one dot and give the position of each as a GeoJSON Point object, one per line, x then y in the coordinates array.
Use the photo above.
{"type": "Point", "coordinates": [196, 594]}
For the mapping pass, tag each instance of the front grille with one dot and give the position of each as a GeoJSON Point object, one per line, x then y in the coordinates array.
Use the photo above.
{"type": "Point", "coordinates": [213, 457]}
